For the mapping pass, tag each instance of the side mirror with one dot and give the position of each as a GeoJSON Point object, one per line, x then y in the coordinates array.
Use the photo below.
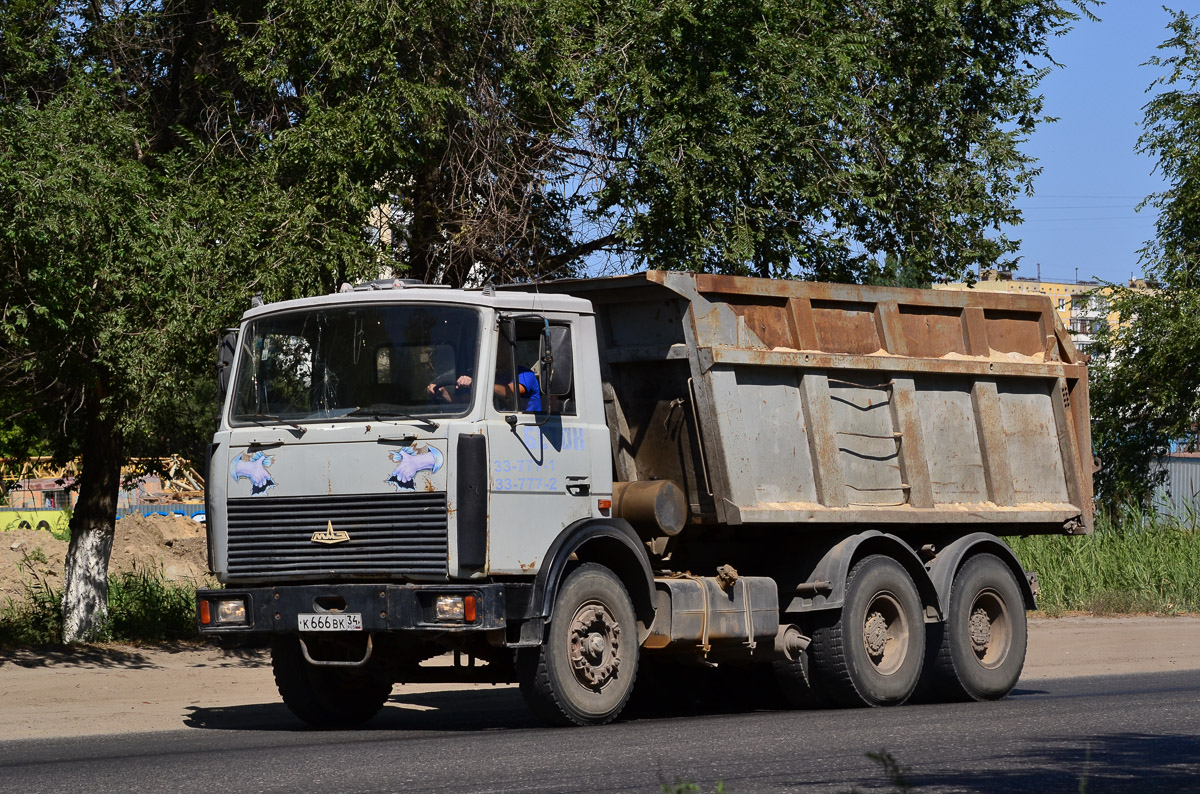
{"type": "Point", "coordinates": [226, 352]}
{"type": "Point", "coordinates": [557, 365]}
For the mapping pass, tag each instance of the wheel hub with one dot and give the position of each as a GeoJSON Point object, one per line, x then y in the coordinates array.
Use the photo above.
{"type": "Point", "coordinates": [875, 632]}
{"type": "Point", "coordinates": [981, 631]}
{"type": "Point", "coordinates": [595, 644]}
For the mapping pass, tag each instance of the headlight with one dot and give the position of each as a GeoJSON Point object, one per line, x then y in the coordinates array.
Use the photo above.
{"type": "Point", "coordinates": [450, 608]}
{"type": "Point", "coordinates": [231, 610]}
{"type": "Point", "coordinates": [456, 609]}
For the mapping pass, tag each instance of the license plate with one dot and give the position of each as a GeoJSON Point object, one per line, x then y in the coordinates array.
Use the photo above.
{"type": "Point", "coordinates": [341, 621]}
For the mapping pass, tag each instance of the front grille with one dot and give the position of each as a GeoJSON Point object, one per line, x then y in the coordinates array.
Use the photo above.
{"type": "Point", "coordinates": [401, 534]}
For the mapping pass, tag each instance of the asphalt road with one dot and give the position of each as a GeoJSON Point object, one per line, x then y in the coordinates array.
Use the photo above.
{"type": "Point", "coordinates": [1119, 733]}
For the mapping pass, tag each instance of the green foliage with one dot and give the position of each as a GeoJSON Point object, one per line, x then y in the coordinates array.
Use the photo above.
{"type": "Point", "coordinates": [812, 139]}
{"type": "Point", "coordinates": [1144, 379]}
{"type": "Point", "coordinates": [36, 620]}
{"type": "Point", "coordinates": [1146, 373]}
{"type": "Point", "coordinates": [1134, 562]}
{"type": "Point", "coordinates": [142, 607]}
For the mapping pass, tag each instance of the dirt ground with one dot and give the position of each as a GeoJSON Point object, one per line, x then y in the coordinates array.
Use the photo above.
{"type": "Point", "coordinates": [175, 544]}
{"type": "Point", "coordinates": [115, 689]}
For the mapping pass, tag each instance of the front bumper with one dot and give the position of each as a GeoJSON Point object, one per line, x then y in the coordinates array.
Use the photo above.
{"type": "Point", "coordinates": [383, 607]}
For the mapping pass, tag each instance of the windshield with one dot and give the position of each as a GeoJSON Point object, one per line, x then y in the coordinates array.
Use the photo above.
{"type": "Point", "coordinates": [376, 362]}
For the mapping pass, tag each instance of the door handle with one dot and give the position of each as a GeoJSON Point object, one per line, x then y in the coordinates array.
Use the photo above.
{"type": "Point", "coordinates": [578, 485]}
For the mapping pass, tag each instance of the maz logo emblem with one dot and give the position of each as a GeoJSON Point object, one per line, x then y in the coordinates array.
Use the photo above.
{"type": "Point", "coordinates": [330, 536]}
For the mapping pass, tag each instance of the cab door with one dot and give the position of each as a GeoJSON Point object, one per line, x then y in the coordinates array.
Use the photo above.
{"type": "Point", "coordinates": [541, 449]}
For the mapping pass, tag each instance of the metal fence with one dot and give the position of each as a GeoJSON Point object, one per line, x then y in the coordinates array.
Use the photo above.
{"type": "Point", "coordinates": [1179, 495]}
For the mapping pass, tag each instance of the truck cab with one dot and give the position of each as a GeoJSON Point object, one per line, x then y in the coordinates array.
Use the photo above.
{"type": "Point", "coordinates": [393, 465]}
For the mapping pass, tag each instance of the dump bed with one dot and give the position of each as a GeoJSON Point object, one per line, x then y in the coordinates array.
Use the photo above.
{"type": "Point", "coordinates": [813, 404]}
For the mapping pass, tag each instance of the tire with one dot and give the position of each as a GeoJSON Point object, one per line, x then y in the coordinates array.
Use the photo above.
{"type": "Point", "coordinates": [585, 668]}
{"type": "Point", "coordinates": [983, 642]}
{"type": "Point", "coordinates": [325, 697]}
{"type": "Point", "coordinates": [872, 652]}
{"type": "Point", "coordinates": [795, 684]}
{"type": "Point", "coordinates": [43, 525]}
{"type": "Point", "coordinates": [24, 525]}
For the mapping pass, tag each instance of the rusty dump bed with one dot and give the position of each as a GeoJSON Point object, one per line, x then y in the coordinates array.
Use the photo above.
{"type": "Point", "coordinates": [802, 403]}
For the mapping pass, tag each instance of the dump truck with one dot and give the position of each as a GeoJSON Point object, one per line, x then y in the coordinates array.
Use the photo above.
{"type": "Point", "coordinates": [560, 483]}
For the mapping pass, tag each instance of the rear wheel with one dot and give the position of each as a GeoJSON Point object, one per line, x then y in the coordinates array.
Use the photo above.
{"type": "Point", "coordinates": [325, 697]}
{"type": "Point", "coordinates": [583, 672]}
{"type": "Point", "coordinates": [871, 654]}
{"type": "Point", "coordinates": [983, 640]}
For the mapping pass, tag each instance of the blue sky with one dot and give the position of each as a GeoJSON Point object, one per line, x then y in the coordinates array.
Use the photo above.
{"type": "Point", "coordinates": [1082, 214]}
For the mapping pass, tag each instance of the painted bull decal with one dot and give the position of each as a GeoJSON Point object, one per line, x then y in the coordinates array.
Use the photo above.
{"type": "Point", "coordinates": [254, 469]}
{"type": "Point", "coordinates": [411, 460]}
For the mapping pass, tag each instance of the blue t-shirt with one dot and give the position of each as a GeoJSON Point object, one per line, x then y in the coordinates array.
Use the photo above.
{"type": "Point", "coordinates": [532, 401]}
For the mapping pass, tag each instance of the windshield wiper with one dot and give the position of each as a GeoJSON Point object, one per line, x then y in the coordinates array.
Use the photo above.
{"type": "Point", "coordinates": [264, 419]}
{"type": "Point", "coordinates": [381, 411]}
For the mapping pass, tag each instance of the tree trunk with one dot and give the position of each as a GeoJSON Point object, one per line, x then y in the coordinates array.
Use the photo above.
{"type": "Point", "coordinates": [85, 599]}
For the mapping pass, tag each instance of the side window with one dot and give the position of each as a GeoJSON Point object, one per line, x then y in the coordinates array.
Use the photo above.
{"type": "Point", "coordinates": [518, 360]}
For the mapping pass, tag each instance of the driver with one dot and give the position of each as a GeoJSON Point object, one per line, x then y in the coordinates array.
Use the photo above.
{"type": "Point", "coordinates": [529, 394]}
{"type": "Point", "coordinates": [454, 391]}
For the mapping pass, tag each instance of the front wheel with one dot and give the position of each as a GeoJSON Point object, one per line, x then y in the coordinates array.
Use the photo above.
{"type": "Point", "coordinates": [871, 654]}
{"type": "Point", "coordinates": [325, 697]}
{"type": "Point", "coordinates": [583, 672]}
{"type": "Point", "coordinates": [983, 641]}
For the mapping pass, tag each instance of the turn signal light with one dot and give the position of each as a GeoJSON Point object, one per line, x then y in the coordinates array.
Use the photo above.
{"type": "Point", "coordinates": [205, 614]}
{"type": "Point", "coordinates": [469, 608]}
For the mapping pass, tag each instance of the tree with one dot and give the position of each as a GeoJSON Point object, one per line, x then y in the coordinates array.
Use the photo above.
{"type": "Point", "coordinates": [813, 139]}
{"type": "Point", "coordinates": [1146, 371]}
{"type": "Point", "coordinates": [163, 160]}
{"type": "Point", "coordinates": [134, 226]}
{"type": "Point", "coordinates": [784, 139]}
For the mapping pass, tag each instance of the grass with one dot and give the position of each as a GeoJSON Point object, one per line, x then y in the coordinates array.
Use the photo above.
{"type": "Point", "coordinates": [142, 607]}
{"type": "Point", "coordinates": [1135, 562]}
{"type": "Point", "coordinates": [688, 787]}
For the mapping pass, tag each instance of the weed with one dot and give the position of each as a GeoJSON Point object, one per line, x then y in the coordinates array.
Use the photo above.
{"type": "Point", "coordinates": [142, 607]}
{"type": "Point", "coordinates": [37, 556]}
{"type": "Point", "coordinates": [896, 774]}
{"type": "Point", "coordinates": [1136, 561]}
{"type": "Point", "coordinates": [688, 787]}
{"type": "Point", "coordinates": [37, 619]}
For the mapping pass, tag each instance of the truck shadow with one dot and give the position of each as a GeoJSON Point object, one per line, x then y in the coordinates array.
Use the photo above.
{"type": "Point", "coordinates": [500, 708]}
{"type": "Point", "coordinates": [457, 711]}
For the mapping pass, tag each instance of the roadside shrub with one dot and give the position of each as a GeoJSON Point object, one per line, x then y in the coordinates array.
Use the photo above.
{"type": "Point", "coordinates": [1136, 561]}
{"type": "Point", "coordinates": [37, 618]}
{"type": "Point", "coordinates": [142, 607]}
